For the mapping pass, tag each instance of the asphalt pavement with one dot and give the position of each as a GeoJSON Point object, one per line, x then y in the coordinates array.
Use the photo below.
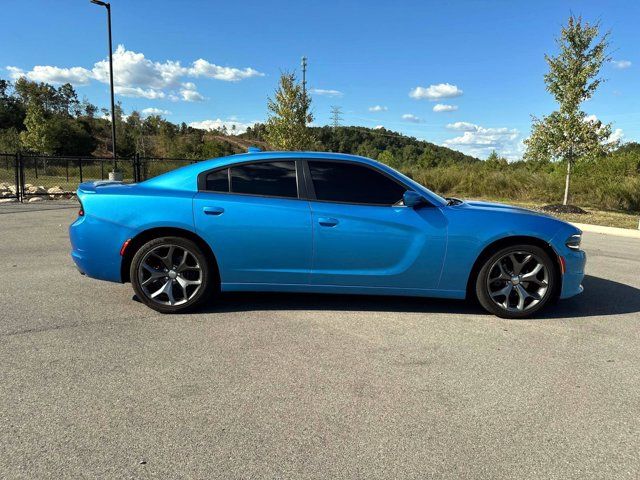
{"type": "Point", "coordinates": [96, 385]}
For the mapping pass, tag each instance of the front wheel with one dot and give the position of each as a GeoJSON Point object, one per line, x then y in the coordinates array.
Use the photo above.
{"type": "Point", "coordinates": [170, 274]}
{"type": "Point", "coordinates": [516, 282]}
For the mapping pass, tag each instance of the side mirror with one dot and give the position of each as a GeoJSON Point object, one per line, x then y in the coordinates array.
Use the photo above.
{"type": "Point", "coordinates": [413, 199]}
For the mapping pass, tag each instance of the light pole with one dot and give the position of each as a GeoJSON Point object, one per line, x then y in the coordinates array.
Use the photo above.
{"type": "Point", "coordinates": [115, 175]}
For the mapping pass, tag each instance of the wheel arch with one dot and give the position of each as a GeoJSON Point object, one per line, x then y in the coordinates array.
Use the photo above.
{"type": "Point", "coordinates": [143, 237]}
{"type": "Point", "coordinates": [503, 242]}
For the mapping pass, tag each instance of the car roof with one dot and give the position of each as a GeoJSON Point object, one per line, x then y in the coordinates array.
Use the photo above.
{"type": "Point", "coordinates": [246, 157]}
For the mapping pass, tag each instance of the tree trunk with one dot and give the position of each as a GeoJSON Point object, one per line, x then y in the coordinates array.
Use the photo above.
{"type": "Point", "coordinates": [566, 184]}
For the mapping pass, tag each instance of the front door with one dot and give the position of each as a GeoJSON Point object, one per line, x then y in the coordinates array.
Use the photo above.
{"type": "Point", "coordinates": [365, 237]}
{"type": "Point", "coordinates": [258, 227]}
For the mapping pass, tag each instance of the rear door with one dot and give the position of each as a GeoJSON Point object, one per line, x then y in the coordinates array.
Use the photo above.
{"type": "Point", "coordinates": [257, 222]}
{"type": "Point", "coordinates": [364, 236]}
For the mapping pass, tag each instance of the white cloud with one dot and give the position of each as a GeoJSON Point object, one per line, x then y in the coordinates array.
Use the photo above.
{"type": "Point", "coordinates": [378, 108]}
{"type": "Point", "coordinates": [463, 126]}
{"type": "Point", "coordinates": [616, 135]}
{"type": "Point", "coordinates": [136, 76]}
{"type": "Point", "coordinates": [203, 68]}
{"type": "Point", "coordinates": [480, 141]}
{"type": "Point", "coordinates": [436, 92]}
{"type": "Point", "coordinates": [410, 117]}
{"type": "Point", "coordinates": [441, 107]}
{"type": "Point", "coordinates": [189, 93]}
{"type": "Point", "coordinates": [48, 74]}
{"type": "Point", "coordinates": [149, 93]}
{"type": "Point", "coordinates": [621, 64]}
{"type": "Point", "coordinates": [147, 112]}
{"type": "Point", "coordinates": [217, 124]}
{"type": "Point", "coordinates": [326, 93]}
{"type": "Point", "coordinates": [378, 127]}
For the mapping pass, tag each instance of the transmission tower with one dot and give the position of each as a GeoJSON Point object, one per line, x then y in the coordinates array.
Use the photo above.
{"type": "Point", "coordinates": [336, 116]}
{"type": "Point", "coordinates": [304, 77]}
{"type": "Point", "coordinates": [305, 99]}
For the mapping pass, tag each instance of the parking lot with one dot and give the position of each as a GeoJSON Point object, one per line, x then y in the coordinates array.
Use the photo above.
{"type": "Point", "coordinates": [94, 384]}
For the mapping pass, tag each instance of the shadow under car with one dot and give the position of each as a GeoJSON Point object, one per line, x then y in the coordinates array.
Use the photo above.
{"type": "Point", "coordinates": [601, 297]}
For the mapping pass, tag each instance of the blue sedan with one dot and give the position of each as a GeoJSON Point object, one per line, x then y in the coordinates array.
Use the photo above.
{"type": "Point", "coordinates": [318, 222]}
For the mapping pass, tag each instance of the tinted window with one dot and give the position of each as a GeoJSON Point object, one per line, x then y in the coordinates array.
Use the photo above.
{"type": "Point", "coordinates": [347, 182]}
{"type": "Point", "coordinates": [218, 181]}
{"type": "Point", "coordinates": [277, 179]}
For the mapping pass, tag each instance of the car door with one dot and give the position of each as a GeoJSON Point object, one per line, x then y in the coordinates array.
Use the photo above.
{"type": "Point", "coordinates": [364, 236]}
{"type": "Point", "coordinates": [257, 222]}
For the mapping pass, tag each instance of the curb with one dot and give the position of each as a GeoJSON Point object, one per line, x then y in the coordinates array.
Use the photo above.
{"type": "Point", "coordinates": [619, 232]}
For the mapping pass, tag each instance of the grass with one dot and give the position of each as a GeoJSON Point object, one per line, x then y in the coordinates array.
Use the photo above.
{"type": "Point", "coordinates": [607, 218]}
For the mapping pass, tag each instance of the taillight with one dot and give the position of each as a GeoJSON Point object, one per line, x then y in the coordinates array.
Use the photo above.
{"type": "Point", "coordinates": [81, 211]}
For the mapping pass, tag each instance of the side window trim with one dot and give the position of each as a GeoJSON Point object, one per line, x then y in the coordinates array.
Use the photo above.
{"type": "Point", "coordinates": [301, 180]}
{"type": "Point", "coordinates": [202, 179]}
{"type": "Point", "coordinates": [311, 189]}
{"type": "Point", "coordinates": [308, 182]}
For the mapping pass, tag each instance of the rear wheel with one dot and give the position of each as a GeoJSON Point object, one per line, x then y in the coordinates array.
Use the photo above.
{"type": "Point", "coordinates": [170, 274]}
{"type": "Point", "coordinates": [516, 282]}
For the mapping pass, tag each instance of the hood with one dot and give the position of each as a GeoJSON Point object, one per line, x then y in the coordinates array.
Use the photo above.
{"type": "Point", "coordinates": [502, 207]}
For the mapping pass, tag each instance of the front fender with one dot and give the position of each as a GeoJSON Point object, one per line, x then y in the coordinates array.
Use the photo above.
{"type": "Point", "coordinates": [472, 229]}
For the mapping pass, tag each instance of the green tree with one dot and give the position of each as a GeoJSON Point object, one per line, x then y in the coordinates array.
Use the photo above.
{"type": "Point", "coordinates": [387, 158]}
{"type": "Point", "coordinates": [495, 161]}
{"type": "Point", "coordinates": [37, 136]}
{"type": "Point", "coordinates": [11, 109]}
{"type": "Point", "coordinates": [428, 159]}
{"type": "Point", "coordinates": [9, 140]}
{"type": "Point", "coordinates": [70, 136]}
{"type": "Point", "coordinates": [567, 134]}
{"type": "Point", "coordinates": [68, 101]}
{"type": "Point", "coordinates": [289, 115]}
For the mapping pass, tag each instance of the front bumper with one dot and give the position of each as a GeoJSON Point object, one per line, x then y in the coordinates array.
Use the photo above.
{"type": "Point", "coordinates": [575, 262]}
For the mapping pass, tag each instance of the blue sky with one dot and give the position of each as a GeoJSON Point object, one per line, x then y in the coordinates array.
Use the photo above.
{"type": "Point", "coordinates": [206, 62]}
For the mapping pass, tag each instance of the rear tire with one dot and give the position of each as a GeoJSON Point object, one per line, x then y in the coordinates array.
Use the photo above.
{"type": "Point", "coordinates": [517, 281]}
{"type": "Point", "coordinates": [171, 275]}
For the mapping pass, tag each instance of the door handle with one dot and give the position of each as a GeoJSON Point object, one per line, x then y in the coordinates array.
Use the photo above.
{"type": "Point", "coordinates": [213, 210]}
{"type": "Point", "coordinates": [327, 221]}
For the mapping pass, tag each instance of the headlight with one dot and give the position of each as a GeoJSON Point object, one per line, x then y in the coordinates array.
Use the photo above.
{"type": "Point", "coordinates": [573, 242]}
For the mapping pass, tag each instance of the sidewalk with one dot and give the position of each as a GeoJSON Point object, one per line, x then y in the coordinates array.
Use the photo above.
{"type": "Point", "coordinates": [620, 232]}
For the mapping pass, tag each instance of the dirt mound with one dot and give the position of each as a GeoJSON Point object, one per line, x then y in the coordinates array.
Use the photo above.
{"type": "Point", "coordinates": [558, 208]}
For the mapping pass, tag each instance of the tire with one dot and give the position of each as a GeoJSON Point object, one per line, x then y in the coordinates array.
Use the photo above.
{"type": "Point", "coordinates": [167, 279]}
{"type": "Point", "coordinates": [517, 281]}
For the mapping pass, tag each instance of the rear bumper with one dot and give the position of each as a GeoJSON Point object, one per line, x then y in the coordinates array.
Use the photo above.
{"type": "Point", "coordinates": [78, 260]}
{"type": "Point", "coordinates": [95, 248]}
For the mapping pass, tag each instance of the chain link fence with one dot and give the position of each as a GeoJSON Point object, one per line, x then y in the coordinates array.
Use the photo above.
{"type": "Point", "coordinates": [27, 177]}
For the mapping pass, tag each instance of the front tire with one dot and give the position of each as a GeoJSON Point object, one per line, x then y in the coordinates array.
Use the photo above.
{"type": "Point", "coordinates": [170, 275]}
{"type": "Point", "coordinates": [517, 281]}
